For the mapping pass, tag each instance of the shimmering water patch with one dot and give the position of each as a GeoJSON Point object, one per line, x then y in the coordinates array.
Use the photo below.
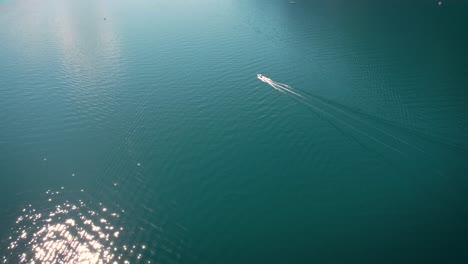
{"type": "Point", "coordinates": [67, 227]}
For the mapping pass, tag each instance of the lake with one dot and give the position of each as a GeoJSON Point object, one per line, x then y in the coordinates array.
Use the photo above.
{"type": "Point", "coordinates": [138, 131]}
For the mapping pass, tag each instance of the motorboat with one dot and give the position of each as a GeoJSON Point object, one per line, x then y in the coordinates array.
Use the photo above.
{"type": "Point", "coordinates": [263, 78]}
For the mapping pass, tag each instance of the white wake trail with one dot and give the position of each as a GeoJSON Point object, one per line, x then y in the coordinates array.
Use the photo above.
{"type": "Point", "coordinates": [366, 123]}
{"type": "Point", "coordinates": [274, 86]}
{"type": "Point", "coordinates": [284, 88]}
{"type": "Point", "coordinates": [287, 88]}
{"type": "Point", "coordinates": [280, 86]}
{"type": "Point", "coordinates": [285, 85]}
{"type": "Point", "coordinates": [272, 83]}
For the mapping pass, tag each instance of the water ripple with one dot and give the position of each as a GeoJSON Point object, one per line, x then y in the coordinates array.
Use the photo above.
{"type": "Point", "coordinates": [68, 227]}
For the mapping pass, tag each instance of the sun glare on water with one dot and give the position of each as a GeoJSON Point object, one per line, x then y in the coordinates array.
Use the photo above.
{"type": "Point", "coordinates": [66, 232]}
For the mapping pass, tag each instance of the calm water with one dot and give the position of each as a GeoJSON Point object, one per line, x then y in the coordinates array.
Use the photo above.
{"type": "Point", "coordinates": [138, 131]}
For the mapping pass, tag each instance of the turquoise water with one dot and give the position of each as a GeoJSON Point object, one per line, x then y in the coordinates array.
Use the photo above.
{"type": "Point", "coordinates": [138, 131]}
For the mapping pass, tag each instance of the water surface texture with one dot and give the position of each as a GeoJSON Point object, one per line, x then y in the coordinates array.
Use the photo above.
{"type": "Point", "coordinates": [138, 131]}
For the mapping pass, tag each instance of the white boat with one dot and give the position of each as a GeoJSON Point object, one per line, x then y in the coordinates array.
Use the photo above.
{"type": "Point", "coordinates": [263, 78]}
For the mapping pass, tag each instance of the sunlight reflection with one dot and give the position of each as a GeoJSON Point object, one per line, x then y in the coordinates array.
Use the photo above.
{"type": "Point", "coordinates": [64, 233]}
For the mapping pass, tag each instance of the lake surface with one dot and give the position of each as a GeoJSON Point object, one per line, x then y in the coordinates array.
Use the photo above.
{"type": "Point", "coordinates": [137, 131]}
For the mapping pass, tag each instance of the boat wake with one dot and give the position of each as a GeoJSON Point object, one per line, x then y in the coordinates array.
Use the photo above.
{"type": "Point", "coordinates": [279, 86]}
{"type": "Point", "coordinates": [353, 123]}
